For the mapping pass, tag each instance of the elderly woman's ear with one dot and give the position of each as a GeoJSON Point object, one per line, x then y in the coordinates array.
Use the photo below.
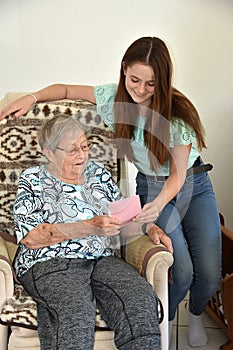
{"type": "Point", "coordinates": [48, 154]}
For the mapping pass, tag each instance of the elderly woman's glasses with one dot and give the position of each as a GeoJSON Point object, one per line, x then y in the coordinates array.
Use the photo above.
{"type": "Point", "coordinates": [72, 151]}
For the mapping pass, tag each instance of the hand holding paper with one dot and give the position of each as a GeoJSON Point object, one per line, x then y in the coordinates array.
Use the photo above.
{"type": "Point", "coordinates": [125, 209]}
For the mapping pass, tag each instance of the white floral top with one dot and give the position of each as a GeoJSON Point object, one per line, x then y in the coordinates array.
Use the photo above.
{"type": "Point", "coordinates": [180, 132]}
{"type": "Point", "coordinates": [41, 197]}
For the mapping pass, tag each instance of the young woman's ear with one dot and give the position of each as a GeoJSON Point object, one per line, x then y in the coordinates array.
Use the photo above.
{"type": "Point", "coordinates": [123, 67]}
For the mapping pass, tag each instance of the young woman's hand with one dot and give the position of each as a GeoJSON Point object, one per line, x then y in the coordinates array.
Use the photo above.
{"type": "Point", "coordinates": [158, 236]}
{"type": "Point", "coordinates": [18, 107]}
{"type": "Point", "coordinates": [149, 213]}
{"type": "Point", "coordinates": [173, 184]}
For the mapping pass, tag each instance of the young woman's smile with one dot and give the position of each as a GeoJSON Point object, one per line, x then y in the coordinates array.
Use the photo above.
{"type": "Point", "coordinates": [139, 82]}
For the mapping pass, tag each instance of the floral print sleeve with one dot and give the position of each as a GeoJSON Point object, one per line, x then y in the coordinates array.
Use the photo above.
{"type": "Point", "coordinates": [181, 133]}
{"type": "Point", "coordinates": [28, 203]}
{"type": "Point", "coordinates": [105, 95]}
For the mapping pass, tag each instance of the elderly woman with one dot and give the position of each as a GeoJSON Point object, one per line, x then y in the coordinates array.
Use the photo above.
{"type": "Point", "coordinates": [64, 260]}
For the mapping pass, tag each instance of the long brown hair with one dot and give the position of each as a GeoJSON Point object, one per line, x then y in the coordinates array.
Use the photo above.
{"type": "Point", "coordinates": [166, 102]}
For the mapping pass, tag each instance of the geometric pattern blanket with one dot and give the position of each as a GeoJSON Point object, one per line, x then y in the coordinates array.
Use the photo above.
{"type": "Point", "coordinates": [19, 148]}
{"type": "Point", "coordinates": [21, 310]}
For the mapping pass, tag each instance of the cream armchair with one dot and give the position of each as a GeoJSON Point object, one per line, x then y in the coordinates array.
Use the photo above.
{"type": "Point", "coordinates": [19, 150]}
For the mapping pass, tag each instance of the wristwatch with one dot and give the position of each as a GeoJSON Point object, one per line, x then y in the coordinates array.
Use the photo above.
{"type": "Point", "coordinates": [143, 228]}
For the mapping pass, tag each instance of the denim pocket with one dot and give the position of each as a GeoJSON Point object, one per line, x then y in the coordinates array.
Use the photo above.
{"type": "Point", "coordinates": [148, 190]}
{"type": "Point", "coordinates": [197, 178]}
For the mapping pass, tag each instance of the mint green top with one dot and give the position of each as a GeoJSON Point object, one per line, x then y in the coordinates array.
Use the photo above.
{"type": "Point", "coordinates": [180, 132]}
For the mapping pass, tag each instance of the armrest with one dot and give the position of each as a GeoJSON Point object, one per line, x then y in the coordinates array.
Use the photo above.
{"type": "Point", "coordinates": [7, 253]}
{"type": "Point", "coordinates": [153, 262]}
{"type": "Point", "coordinates": [226, 232]}
{"type": "Point", "coordinates": [226, 291]}
{"type": "Point", "coordinates": [227, 251]}
{"type": "Point", "coordinates": [142, 252]}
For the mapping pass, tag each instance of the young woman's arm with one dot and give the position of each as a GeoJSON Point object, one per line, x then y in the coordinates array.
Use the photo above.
{"type": "Point", "coordinates": [53, 92]}
{"type": "Point", "coordinates": [64, 91]}
{"type": "Point", "coordinates": [178, 167]}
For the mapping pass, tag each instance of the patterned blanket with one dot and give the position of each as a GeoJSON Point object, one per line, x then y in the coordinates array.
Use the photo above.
{"type": "Point", "coordinates": [21, 310]}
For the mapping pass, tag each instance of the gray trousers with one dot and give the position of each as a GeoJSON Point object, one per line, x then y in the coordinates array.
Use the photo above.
{"type": "Point", "coordinates": [67, 291]}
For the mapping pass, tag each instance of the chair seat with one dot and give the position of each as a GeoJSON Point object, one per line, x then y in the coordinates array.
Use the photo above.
{"type": "Point", "coordinates": [27, 339]}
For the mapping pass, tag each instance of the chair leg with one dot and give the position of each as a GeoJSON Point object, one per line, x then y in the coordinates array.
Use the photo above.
{"type": "Point", "coordinates": [3, 337]}
{"type": "Point", "coordinates": [161, 289]}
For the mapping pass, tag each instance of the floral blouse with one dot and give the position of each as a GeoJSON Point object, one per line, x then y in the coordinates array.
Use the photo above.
{"type": "Point", "coordinates": [43, 198]}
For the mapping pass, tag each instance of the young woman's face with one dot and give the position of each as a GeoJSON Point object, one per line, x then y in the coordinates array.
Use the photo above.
{"type": "Point", "coordinates": [139, 82]}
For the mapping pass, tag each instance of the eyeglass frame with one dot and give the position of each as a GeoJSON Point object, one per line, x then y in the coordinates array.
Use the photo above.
{"type": "Point", "coordinates": [75, 149]}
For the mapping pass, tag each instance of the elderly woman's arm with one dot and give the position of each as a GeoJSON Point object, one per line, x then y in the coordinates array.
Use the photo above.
{"type": "Point", "coordinates": [48, 234]}
{"type": "Point", "coordinates": [43, 235]}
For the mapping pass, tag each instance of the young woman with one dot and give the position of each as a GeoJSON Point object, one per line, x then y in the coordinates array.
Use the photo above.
{"type": "Point", "coordinates": [159, 130]}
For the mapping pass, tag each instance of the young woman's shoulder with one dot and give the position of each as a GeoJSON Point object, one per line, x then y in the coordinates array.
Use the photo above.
{"type": "Point", "coordinates": [179, 123]}
{"type": "Point", "coordinates": [105, 93]}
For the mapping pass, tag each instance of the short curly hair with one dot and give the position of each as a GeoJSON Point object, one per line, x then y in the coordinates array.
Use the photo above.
{"type": "Point", "coordinates": [53, 130]}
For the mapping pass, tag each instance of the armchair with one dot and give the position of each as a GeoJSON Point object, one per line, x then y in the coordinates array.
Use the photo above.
{"type": "Point", "coordinates": [19, 150]}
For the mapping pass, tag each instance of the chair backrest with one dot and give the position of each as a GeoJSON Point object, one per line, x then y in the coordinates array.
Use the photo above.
{"type": "Point", "coordinates": [19, 148]}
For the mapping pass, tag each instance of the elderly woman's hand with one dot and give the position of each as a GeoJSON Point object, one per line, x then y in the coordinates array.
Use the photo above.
{"type": "Point", "coordinates": [42, 236]}
{"type": "Point", "coordinates": [97, 226]}
{"type": "Point", "coordinates": [107, 226]}
{"type": "Point", "coordinates": [103, 225]}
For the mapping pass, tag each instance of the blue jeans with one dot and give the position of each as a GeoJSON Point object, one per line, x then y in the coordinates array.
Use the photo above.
{"type": "Point", "coordinates": [191, 220]}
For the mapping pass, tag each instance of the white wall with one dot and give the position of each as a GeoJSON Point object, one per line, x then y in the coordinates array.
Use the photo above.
{"type": "Point", "coordinates": [74, 41]}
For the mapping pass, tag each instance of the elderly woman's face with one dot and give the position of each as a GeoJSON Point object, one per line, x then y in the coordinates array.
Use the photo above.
{"type": "Point", "coordinates": [70, 157]}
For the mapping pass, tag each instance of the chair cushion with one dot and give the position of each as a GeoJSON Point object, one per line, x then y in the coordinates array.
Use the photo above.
{"type": "Point", "coordinates": [21, 310]}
